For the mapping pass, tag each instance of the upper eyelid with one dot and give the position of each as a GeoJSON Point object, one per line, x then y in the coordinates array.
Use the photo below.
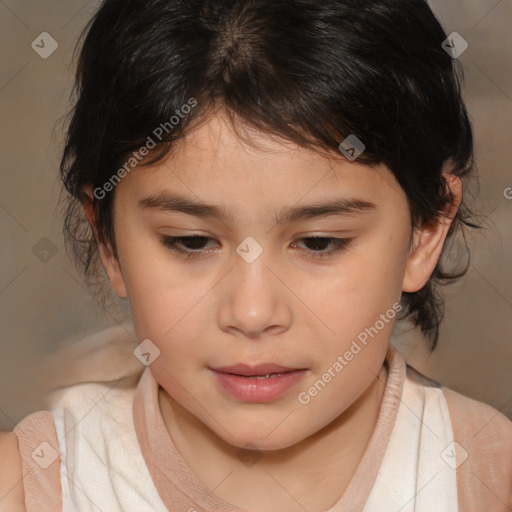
{"type": "Point", "coordinates": [299, 237]}
{"type": "Point", "coordinates": [336, 239]}
{"type": "Point", "coordinates": [340, 246]}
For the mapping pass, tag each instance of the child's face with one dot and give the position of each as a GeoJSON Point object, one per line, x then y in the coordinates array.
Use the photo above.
{"type": "Point", "coordinates": [282, 307]}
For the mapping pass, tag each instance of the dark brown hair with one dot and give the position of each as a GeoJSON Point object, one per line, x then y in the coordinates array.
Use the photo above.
{"type": "Point", "coordinates": [308, 71]}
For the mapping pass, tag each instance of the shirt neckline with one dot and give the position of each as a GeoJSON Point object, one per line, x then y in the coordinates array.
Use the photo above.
{"type": "Point", "coordinates": [180, 488]}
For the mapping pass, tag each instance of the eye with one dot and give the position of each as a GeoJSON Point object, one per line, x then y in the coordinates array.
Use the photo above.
{"type": "Point", "coordinates": [318, 244]}
{"type": "Point", "coordinates": [192, 246]}
{"type": "Point", "coordinates": [194, 243]}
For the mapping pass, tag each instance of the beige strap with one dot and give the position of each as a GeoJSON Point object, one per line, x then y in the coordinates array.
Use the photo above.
{"type": "Point", "coordinates": [483, 453]}
{"type": "Point", "coordinates": [40, 457]}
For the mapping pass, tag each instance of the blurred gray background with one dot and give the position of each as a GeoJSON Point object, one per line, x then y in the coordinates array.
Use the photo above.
{"type": "Point", "coordinates": [44, 308]}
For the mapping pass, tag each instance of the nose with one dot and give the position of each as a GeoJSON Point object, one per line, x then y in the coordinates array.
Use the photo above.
{"type": "Point", "coordinates": [254, 302]}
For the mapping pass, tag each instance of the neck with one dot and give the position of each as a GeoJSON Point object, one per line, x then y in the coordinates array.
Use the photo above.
{"type": "Point", "coordinates": [310, 474]}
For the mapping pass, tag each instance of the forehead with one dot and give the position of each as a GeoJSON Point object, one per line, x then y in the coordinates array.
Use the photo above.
{"type": "Point", "coordinates": [223, 164]}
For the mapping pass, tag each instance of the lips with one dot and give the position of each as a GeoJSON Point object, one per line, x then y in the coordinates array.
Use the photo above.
{"type": "Point", "coordinates": [259, 383]}
{"type": "Point", "coordinates": [261, 370]}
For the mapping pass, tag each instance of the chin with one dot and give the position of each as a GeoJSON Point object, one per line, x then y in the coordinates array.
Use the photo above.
{"type": "Point", "coordinates": [261, 441]}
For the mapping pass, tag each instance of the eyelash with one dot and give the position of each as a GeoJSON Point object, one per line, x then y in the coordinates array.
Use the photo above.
{"type": "Point", "coordinates": [171, 242]}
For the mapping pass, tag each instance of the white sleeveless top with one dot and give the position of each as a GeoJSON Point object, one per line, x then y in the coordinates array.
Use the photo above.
{"type": "Point", "coordinates": [102, 467]}
{"type": "Point", "coordinates": [100, 428]}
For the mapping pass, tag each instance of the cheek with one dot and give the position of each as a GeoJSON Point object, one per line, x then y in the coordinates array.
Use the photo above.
{"type": "Point", "coordinates": [169, 316]}
{"type": "Point", "coordinates": [168, 308]}
{"type": "Point", "coordinates": [359, 305]}
{"type": "Point", "coordinates": [364, 288]}
{"type": "Point", "coordinates": [159, 291]}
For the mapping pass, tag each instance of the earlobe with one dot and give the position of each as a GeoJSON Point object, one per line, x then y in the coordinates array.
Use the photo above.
{"type": "Point", "coordinates": [428, 241]}
{"type": "Point", "coordinates": [108, 258]}
{"type": "Point", "coordinates": [427, 246]}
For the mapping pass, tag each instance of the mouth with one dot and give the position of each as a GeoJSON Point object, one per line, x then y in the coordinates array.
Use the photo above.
{"type": "Point", "coordinates": [261, 371]}
{"type": "Point", "coordinates": [261, 376]}
{"type": "Point", "coordinates": [257, 384]}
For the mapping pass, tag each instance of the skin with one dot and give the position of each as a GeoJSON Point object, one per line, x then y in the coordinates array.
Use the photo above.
{"type": "Point", "coordinates": [284, 307]}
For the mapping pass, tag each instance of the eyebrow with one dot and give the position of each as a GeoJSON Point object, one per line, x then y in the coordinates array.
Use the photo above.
{"type": "Point", "coordinates": [176, 203]}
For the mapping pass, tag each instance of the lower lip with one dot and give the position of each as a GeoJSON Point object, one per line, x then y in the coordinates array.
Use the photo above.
{"type": "Point", "coordinates": [259, 390]}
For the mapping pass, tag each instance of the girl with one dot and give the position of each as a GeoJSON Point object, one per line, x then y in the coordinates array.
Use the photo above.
{"type": "Point", "coordinates": [271, 186]}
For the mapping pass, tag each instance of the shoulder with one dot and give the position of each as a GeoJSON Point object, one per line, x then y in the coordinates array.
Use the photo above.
{"type": "Point", "coordinates": [473, 421]}
{"type": "Point", "coordinates": [476, 422]}
{"type": "Point", "coordinates": [483, 447]}
{"type": "Point", "coordinates": [11, 474]}
{"type": "Point", "coordinates": [481, 451]}
{"type": "Point", "coordinates": [94, 400]}
{"type": "Point", "coordinates": [37, 463]}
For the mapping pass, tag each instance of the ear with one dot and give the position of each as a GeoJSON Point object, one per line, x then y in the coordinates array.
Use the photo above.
{"type": "Point", "coordinates": [428, 241]}
{"type": "Point", "coordinates": [107, 256]}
